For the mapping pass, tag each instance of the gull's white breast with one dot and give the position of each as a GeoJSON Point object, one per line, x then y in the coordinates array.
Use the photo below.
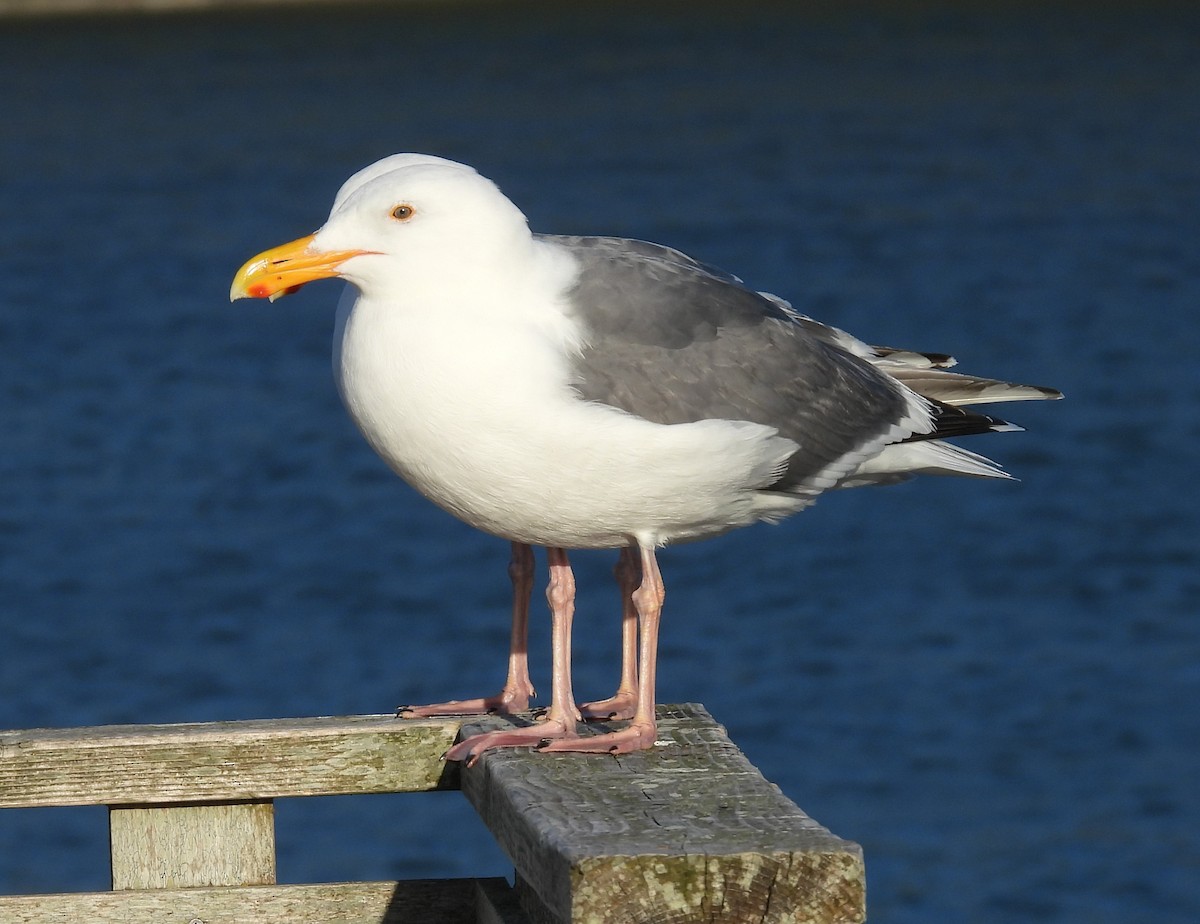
{"type": "Point", "coordinates": [476, 411]}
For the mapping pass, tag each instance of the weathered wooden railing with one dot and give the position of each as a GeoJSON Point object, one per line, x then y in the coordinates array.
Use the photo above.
{"type": "Point", "coordinates": [687, 831]}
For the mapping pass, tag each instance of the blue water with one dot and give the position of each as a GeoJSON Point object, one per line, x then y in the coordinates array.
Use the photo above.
{"type": "Point", "coordinates": [992, 687]}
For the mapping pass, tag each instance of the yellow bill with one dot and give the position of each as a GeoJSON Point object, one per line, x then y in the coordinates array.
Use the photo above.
{"type": "Point", "coordinates": [284, 269]}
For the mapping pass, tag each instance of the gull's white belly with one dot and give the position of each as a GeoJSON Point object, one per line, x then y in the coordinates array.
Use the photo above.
{"type": "Point", "coordinates": [480, 418]}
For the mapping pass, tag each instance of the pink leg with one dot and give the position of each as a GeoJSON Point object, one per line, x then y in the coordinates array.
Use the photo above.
{"type": "Point", "coordinates": [642, 730]}
{"type": "Point", "coordinates": [517, 688]}
{"type": "Point", "coordinates": [562, 715]}
{"type": "Point", "coordinates": [623, 703]}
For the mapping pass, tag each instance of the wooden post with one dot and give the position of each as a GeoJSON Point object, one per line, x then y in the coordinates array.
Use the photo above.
{"type": "Point", "coordinates": [183, 846]}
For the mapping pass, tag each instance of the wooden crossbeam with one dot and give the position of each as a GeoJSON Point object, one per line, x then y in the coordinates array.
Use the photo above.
{"type": "Point", "coordinates": [224, 761]}
{"type": "Point", "coordinates": [430, 901]}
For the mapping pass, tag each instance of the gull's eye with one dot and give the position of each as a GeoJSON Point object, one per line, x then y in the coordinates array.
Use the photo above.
{"type": "Point", "coordinates": [403, 212]}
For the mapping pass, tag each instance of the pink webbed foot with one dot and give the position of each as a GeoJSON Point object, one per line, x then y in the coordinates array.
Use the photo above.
{"type": "Point", "coordinates": [636, 736]}
{"type": "Point", "coordinates": [469, 749]}
{"type": "Point", "coordinates": [518, 689]}
{"type": "Point", "coordinates": [622, 705]}
{"type": "Point", "coordinates": [508, 701]}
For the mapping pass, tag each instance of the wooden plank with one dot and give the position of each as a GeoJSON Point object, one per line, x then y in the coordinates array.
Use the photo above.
{"type": "Point", "coordinates": [688, 830]}
{"type": "Point", "coordinates": [429, 901]}
{"type": "Point", "coordinates": [224, 761]}
{"type": "Point", "coordinates": [179, 846]}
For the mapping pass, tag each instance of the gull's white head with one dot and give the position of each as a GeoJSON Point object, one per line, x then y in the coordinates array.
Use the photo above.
{"type": "Point", "coordinates": [403, 218]}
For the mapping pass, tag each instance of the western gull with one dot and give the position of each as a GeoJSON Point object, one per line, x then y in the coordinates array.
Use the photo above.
{"type": "Point", "coordinates": [596, 392]}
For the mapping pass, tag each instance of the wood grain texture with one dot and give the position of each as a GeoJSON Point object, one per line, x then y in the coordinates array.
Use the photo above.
{"type": "Point", "coordinates": [441, 901]}
{"type": "Point", "coordinates": [224, 761]}
{"type": "Point", "coordinates": [180, 846]}
{"type": "Point", "coordinates": [686, 831]}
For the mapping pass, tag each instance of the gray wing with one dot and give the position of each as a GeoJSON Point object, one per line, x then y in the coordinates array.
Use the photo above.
{"type": "Point", "coordinates": [674, 341]}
